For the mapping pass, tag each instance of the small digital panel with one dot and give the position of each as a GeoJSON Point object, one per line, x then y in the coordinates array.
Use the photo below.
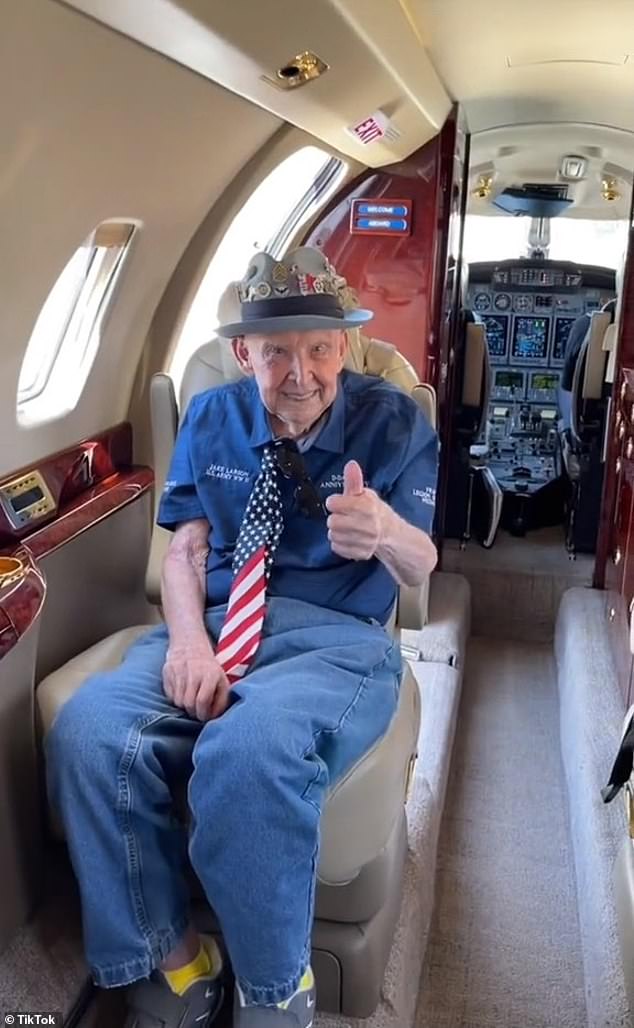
{"type": "Point", "coordinates": [496, 326]}
{"type": "Point", "coordinates": [508, 385]}
{"type": "Point", "coordinates": [543, 387]}
{"type": "Point", "coordinates": [544, 380]}
{"type": "Point", "coordinates": [25, 499]}
{"type": "Point", "coordinates": [530, 340]}
{"type": "Point", "coordinates": [562, 331]}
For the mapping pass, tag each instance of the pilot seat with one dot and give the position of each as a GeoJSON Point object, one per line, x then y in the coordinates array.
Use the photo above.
{"type": "Point", "coordinates": [363, 827]}
{"type": "Point", "coordinates": [582, 444]}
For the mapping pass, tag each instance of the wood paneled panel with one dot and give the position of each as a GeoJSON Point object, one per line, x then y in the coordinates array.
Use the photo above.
{"type": "Point", "coordinates": [412, 283]}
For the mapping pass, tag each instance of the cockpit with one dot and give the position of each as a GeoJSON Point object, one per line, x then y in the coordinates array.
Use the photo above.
{"type": "Point", "coordinates": [529, 457]}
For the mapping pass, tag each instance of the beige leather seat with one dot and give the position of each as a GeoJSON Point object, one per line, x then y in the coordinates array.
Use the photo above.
{"type": "Point", "coordinates": [363, 843]}
{"type": "Point", "coordinates": [589, 374]}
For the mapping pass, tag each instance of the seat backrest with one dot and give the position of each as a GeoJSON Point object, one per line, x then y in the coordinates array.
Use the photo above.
{"type": "Point", "coordinates": [475, 370]}
{"type": "Point", "coordinates": [590, 370]}
{"type": "Point", "coordinates": [214, 364]}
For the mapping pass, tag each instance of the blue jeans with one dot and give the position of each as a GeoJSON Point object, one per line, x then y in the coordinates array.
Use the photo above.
{"type": "Point", "coordinates": [322, 689]}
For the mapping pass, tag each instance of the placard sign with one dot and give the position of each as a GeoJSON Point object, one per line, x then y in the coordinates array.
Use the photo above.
{"type": "Point", "coordinates": [381, 217]}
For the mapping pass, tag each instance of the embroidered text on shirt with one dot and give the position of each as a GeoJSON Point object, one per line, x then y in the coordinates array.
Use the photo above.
{"type": "Point", "coordinates": [334, 482]}
{"type": "Point", "coordinates": [232, 474]}
{"type": "Point", "coordinates": [427, 495]}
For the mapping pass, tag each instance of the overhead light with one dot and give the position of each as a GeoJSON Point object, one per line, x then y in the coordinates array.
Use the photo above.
{"type": "Point", "coordinates": [609, 189]}
{"type": "Point", "coordinates": [484, 187]}
{"type": "Point", "coordinates": [301, 69]}
{"type": "Point", "coordinates": [573, 167]}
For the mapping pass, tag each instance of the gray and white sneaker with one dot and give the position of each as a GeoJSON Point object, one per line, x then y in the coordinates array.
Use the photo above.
{"type": "Point", "coordinates": [296, 1012]}
{"type": "Point", "coordinates": [152, 1004]}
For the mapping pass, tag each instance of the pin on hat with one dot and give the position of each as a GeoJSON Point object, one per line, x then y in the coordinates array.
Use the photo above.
{"type": "Point", "coordinates": [300, 292]}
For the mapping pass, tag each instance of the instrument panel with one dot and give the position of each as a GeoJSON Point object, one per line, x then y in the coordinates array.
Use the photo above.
{"type": "Point", "coordinates": [528, 308]}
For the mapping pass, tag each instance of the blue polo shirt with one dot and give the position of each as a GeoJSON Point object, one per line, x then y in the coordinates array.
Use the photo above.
{"type": "Point", "coordinates": [217, 458]}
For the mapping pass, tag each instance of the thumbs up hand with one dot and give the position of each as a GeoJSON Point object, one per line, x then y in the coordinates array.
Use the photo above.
{"type": "Point", "coordinates": [355, 524]}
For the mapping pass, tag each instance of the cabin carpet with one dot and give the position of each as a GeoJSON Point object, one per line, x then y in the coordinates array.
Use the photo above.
{"type": "Point", "coordinates": [44, 969]}
{"type": "Point", "coordinates": [504, 948]}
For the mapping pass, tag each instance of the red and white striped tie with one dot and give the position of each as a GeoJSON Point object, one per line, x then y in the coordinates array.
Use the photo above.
{"type": "Point", "coordinates": [257, 541]}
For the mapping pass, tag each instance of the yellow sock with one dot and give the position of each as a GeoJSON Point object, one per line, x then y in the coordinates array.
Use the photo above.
{"type": "Point", "coordinates": [306, 984]}
{"type": "Point", "coordinates": [206, 964]}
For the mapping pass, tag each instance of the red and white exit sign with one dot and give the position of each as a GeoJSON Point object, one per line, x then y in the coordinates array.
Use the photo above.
{"type": "Point", "coordinates": [370, 129]}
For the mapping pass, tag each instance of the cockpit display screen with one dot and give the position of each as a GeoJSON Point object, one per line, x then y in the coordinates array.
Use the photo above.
{"type": "Point", "coordinates": [530, 339]}
{"type": "Point", "coordinates": [544, 380]}
{"type": "Point", "coordinates": [496, 326]}
{"type": "Point", "coordinates": [510, 380]}
{"type": "Point", "coordinates": [562, 331]}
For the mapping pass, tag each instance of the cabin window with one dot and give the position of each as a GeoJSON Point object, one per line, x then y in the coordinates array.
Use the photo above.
{"type": "Point", "coordinates": [281, 204]}
{"type": "Point", "coordinates": [66, 336]}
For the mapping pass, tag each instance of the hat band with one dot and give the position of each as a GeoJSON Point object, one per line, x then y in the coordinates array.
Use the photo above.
{"type": "Point", "coordinates": [324, 304]}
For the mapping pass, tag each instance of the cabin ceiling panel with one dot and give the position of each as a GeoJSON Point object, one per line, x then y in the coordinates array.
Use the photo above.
{"type": "Point", "coordinates": [376, 59]}
{"type": "Point", "coordinates": [518, 154]}
{"type": "Point", "coordinates": [543, 61]}
{"type": "Point", "coordinates": [98, 128]}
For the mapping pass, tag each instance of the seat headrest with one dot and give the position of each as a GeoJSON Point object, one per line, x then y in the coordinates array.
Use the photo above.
{"type": "Point", "coordinates": [214, 364]}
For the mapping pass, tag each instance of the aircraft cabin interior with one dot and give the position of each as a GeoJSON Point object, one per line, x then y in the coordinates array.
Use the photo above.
{"type": "Point", "coordinates": [468, 174]}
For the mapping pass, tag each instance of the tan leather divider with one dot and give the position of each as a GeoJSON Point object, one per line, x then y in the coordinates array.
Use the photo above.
{"type": "Point", "coordinates": [594, 372]}
{"type": "Point", "coordinates": [610, 341]}
{"type": "Point", "coordinates": [474, 361]}
{"type": "Point", "coordinates": [164, 427]}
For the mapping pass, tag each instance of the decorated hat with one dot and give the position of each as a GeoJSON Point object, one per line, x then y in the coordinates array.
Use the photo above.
{"type": "Point", "coordinates": [300, 292]}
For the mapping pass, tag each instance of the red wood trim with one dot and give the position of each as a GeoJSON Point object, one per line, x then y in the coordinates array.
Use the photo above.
{"type": "Point", "coordinates": [89, 482]}
{"type": "Point", "coordinates": [88, 510]}
{"type": "Point", "coordinates": [70, 473]}
{"type": "Point", "coordinates": [21, 601]}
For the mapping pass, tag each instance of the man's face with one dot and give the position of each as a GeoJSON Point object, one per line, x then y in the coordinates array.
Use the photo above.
{"type": "Point", "coordinates": [296, 372]}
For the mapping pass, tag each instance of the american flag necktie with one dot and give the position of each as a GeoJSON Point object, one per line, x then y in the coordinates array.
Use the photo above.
{"type": "Point", "coordinates": [257, 541]}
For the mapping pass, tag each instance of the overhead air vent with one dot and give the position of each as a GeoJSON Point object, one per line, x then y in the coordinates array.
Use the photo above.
{"type": "Point", "coordinates": [539, 200]}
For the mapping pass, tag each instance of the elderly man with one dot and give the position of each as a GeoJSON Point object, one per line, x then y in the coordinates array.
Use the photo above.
{"type": "Point", "coordinates": [299, 497]}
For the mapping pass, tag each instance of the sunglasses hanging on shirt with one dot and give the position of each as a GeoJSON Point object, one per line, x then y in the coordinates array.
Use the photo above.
{"type": "Point", "coordinates": [291, 464]}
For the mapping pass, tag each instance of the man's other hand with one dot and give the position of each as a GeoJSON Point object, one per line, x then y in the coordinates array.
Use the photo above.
{"type": "Point", "coordinates": [194, 681]}
{"type": "Point", "coordinates": [355, 525]}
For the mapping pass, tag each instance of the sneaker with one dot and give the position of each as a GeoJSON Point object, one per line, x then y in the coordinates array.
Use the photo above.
{"type": "Point", "coordinates": [152, 1004]}
{"type": "Point", "coordinates": [296, 1012]}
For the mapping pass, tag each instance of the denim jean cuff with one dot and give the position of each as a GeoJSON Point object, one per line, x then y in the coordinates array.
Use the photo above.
{"type": "Point", "coordinates": [269, 995]}
{"type": "Point", "coordinates": [112, 976]}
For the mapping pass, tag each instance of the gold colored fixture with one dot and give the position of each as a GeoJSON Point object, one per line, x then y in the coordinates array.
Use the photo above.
{"type": "Point", "coordinates": [484, 187]}
{"type": "Point", "coordinates": [609, 189]}
{"type": "Point", "coordinates": [299, 70]}
{"type": "Point", "coordinates": [11, 570]}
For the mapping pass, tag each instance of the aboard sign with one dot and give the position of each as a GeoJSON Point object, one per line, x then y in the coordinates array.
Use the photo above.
{"type": "Point", "coordinates": [381, 217]}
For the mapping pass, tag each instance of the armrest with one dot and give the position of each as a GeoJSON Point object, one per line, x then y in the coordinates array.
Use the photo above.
{"type": "Point", "coordinates": [413, 606]}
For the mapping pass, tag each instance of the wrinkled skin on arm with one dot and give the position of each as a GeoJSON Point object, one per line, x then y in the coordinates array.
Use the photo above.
{"type": "Point", "coordinates": [192, 677]}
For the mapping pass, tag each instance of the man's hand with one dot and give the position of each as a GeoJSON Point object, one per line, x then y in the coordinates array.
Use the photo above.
{"type": "Point", "coordinates": [357, 517]}
{"type": "Point", "coordinates": [194, 681]}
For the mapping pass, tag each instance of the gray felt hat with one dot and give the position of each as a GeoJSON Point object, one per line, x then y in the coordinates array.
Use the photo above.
{"type": "Point", "coordinates": [300, 292]}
